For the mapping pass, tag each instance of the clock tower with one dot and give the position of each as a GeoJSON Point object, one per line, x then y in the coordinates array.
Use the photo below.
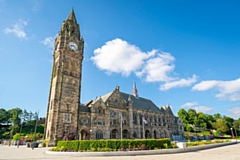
{"type": "Point", "coordinates": [65, 87]}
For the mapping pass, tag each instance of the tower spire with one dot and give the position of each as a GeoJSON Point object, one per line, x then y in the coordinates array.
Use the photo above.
{"type": "Point", "coordinates": [135, 92]}
{"type": "Point", "coordinates": [71, 16]}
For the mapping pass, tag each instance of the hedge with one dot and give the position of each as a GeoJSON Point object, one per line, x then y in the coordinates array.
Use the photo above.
{"type": "Point", "coordinates": [113, 145]}
{"type": "Point", "coordinates": [199, 143]}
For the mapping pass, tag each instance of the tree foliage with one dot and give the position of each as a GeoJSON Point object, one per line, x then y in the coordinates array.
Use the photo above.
{"type": "Point", "coordinates": [194, 121]}
{"type": "Point", "coordinates": [12, 120]}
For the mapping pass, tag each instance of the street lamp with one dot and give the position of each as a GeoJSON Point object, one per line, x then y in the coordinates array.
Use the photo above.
{"type": "Point", "coordinates": [90, 134]}
{"type": "Point", "coordinates": [34, 137]}
{"type": "Point", "coordinates": [232, 133]}
{"type": "Point", "coordinates": [235, 132]}
{"type": "Point", "coordinates": [19, 137]}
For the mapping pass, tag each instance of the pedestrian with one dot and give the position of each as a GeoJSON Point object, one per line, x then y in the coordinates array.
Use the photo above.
{"type": "Point", "coordinates": [9, 142]}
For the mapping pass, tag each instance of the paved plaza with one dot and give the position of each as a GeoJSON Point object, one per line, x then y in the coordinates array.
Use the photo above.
{"type": "Point", "coordinates": [231, 152]}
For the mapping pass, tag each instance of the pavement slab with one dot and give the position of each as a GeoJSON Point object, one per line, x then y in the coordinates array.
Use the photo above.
{"type": "Point", "coordinates": [231, 152]}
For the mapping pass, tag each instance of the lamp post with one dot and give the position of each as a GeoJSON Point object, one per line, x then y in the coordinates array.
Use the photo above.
{"type": "Point", "coordinates": [34, 137]}
{"type": "Point", "coordinates": [90, 134]}
{"type": "Point", "coordinates": [19, 134]}
{"type": "Point", "coordinates": [121, 124]}
{"type": "Point", "coordinates": [235, 132]}
{"type": "Point", "coordinates": [232, 133]}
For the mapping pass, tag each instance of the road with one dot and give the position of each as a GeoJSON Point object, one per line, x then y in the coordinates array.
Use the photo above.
{"type": "Point", "coordinates": [231, 152]}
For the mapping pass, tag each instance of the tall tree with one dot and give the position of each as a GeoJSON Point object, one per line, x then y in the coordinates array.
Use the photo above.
{"type": "Point", "coordinates": [3, 115]}
{"type": "Point", "coordinates": [229, 121]}
{"type": "Point", "coordinates": [14, 118]}
{"type": "Point", "coordinates": [183, 114]}
{"type": "Point", "coordinates": [192, 114]}
{"type": "Point", "coordinates": [217, 116]}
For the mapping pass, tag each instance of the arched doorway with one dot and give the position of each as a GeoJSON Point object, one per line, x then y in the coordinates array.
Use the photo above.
{"type": "Point", "coordinates": [147, 134]}
{"type": "Point", "coordinates": [155, 134]}
{"type": "Point", "coordinates": [114, 134]}
{"type": "Point", "coordinates": [125, 134]}
{"type": "Point", "coordinates": [167, 135]}
{"type": "Point", "coordinates": [134, 134]}
{"type": "Point", "coordinates": [83, 135]}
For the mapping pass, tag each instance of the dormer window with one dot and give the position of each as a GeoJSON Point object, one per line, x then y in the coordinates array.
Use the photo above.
{"type": "Point", "coordinates": [100, 110]}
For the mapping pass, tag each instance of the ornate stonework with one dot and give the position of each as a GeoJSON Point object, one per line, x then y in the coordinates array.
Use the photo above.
{"type": "Point", "coordinates": [103, 117]}
{"type": "Point", "coordinates": [64, 97]}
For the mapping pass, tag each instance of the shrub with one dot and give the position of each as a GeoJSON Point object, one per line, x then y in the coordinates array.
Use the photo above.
{"type": "Point", "coordinates": [197, 143]}
{"type": "Point", "coordinates": [73, 145]}
{"type": "Point", "coordinates": [113, 145]}
{"type": "Point", "coordinates": [174, 145]}
{"type": "Point", "coordinates": [45, 142]}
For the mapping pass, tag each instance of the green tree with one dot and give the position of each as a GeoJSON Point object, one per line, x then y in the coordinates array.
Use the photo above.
{"type": "Point", "coordinates": [201, 120]}
{"type": "Point", "coordinates": [210, 121]}
{"type": "Point", "coordinates": [14, 118]}
{"type": "Point", "coordinates": [220, 125]}
{"type": "Point", "coordinates": [182, 113]}
{"type": "Point", "coordinates": [192, 114]}
{"type": "Point", "coordinates": [236, 124]}
{"type": "Point", "coordinates": [229, 121]}
{"type": "Point", "coordinates": [4, 115]}
{"type": "Point", "coordinates": [217, 116]}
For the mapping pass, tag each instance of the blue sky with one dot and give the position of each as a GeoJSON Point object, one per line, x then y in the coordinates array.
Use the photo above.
{"type": "Point", "coordinates": [182, 53]}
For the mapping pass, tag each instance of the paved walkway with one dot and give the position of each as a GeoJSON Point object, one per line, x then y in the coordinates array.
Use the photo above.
{"type": "Point", "coordinates": [231, 152]}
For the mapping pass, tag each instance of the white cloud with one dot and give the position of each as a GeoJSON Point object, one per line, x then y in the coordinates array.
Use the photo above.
{"type": "Point", "coordinates": [189, 104]}
{"type": "Point", "coordinates": [235, 112]}
{"type": "Point", "coordinates": [119, 56]}
{"type": "Point", "coordinates": [203, 109]}
{"type": "Point", "coordinates": [228, 90]}
{"type": "Point", "coordinates": [49, 42]}
{"type": "Point", "coordinates": [17, 29]}
{"type": "Point", "coordinates": [157, 69]}
{"type": "Point", "coordinates": [197, 107]}
{"type": "Point", "coordinates": [178, 83]}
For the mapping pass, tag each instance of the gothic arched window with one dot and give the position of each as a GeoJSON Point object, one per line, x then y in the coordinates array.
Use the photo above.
{"type": "Point", "coordinates": [99, 135]}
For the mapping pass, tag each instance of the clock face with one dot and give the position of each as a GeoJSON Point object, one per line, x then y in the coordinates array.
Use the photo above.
{"type": "Point", "coordinates": [73, 46]}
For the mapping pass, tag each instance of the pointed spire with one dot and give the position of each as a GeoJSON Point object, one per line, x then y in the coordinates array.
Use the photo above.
{"type": "Point", "coordinates": [129, 98]}
{"type": "Point", "coordinates": [135, 92]}
{"type": "Point", "coordinates": [71, 16]}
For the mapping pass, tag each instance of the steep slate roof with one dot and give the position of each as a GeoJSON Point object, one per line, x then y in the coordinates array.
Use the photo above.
{"type": "Point", "coordinates": [106, 96]}
{"type": "Point", "coordinates": [137, 102]}
{"type": "Point", "coordinates": [83, 108]}
{"type": "Point", "coordinates": [140, 103]}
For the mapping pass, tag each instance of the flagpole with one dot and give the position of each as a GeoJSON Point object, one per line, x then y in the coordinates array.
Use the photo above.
{"type": "Point", "coordinates": [121, 124]}
{"type": "Point", "coordinates": [143, 128]}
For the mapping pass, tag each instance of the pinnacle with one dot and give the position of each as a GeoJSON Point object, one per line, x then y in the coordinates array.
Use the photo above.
{"type": "Point", "coordinates": [71, 16]}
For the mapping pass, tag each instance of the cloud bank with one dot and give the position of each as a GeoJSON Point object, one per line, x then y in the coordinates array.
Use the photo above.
{"type": "Point", "coordinates": [48, 42]}
{"type": "Point", "coordinates": [119, 56]}
{"type": "Point", "coordinates": [235, 112]}
{"type": "Point", "coordinates": [197, 107]}
{"type": "Point", "coordinates": [227, 90]}
{"type": "Point", "coordinates": [17, 29]}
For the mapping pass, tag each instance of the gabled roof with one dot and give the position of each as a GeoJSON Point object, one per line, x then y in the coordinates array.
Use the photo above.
{"type": "Point", "coordinates": [140, 103]}
{"type": "Point", "coordinates": [137, 102]}
{"type": "Point", "coordinates": [106, 96]}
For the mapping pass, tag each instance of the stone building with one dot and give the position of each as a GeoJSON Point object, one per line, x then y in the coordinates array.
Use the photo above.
{"type": "Point", "coordinates": [106, 116]}
{"type": "Point", "coordinates": [114, 115]}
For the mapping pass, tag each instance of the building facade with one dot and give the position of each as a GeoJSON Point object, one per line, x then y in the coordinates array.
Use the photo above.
{"type": "Point", "coordinates": [112, 116]}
